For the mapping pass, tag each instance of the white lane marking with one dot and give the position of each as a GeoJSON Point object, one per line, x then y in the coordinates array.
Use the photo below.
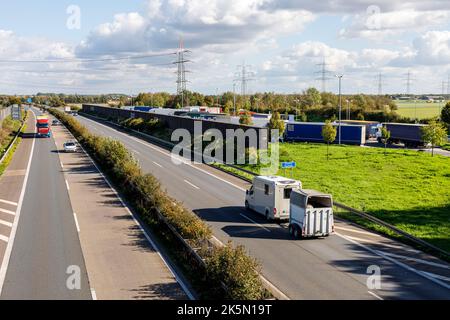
{"type": "Point", "coordinates": [434, 264]}
{"type": "Point", "coordinates": [9, 202]}
{"type": "Point", "coordinates": [76, 222]}
{"type": "Point", "coordinates": [166, 154]}
{"type": "Point", "coordinates": [67, 185]}
{"type": "Point", "coordinates": [375, 295]}
{"type": "Point", "coordinates": [6, 223]}
{"type": "Point", "coordinates": [62, 166]}
{"type": "Point", "coordinates": [8, 211]}
{"type": "Point", "coordinates": [254, 222]}
{"type": "Point", "coordinates": [437, 276]}
{"type": "Point", "coordinates": [3, 238]}
{"type": "Point", "coordinates": [398, 263]}
{"type": "Point", "coordinates": [192, 185]}
{"type": "Point", "coordinates": [152, 243]}
{"type": "Point", "coordinates": [157, 164]}
{"type": "Point", "coordinates": [135, 151]}
{"type": "Point", "coordinates": [93, 294]}
{"type": "Point", "coordinates": [12, 235]}
{"type": "Point", "coordinates": [357, 231]}
{"type": "Point", "coordinates": [384, 244]}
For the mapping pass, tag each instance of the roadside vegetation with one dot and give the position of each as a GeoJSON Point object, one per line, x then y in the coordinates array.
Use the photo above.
{"type": "Point", "coordinates": [227, 273]}
{"type": "Point", "coordinates": [407, 189]}
{"type": "Point", "coordinates": [8, 131]}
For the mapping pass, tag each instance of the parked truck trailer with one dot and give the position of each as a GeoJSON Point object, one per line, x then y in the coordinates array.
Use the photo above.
{"type": "Point", "coordinates": [407, 133]}
{"type": "Point", "coordinates": [312, 132]}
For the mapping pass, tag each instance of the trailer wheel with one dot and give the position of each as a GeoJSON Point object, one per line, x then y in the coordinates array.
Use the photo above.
{"type": "Point", "coordinates": [296, 233]}
{"type": "Point", "coordinates": [268, 215]}
{"type": "Point", "coordinates": [291, 230]}
{"type": "Point", "coordinates": [247, 206]}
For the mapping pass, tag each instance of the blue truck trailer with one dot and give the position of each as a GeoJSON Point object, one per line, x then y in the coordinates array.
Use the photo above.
{"type": "Point", "coordinates": [143, 109]}
{"type": "Point", "coordinates": [371, 127]}
{"type": "Point", "coordinates": [409, 134]}
{"type": "Point", "coordinates": [312, 132]}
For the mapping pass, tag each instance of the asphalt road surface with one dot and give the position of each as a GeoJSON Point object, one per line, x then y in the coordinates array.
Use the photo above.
{"type": "Point", "coordinates": [337, 267]}
{"type": "Point", "coordinates": [46, 251]}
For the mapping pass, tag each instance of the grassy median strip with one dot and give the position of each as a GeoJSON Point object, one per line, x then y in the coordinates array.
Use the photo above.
{"type": "Point", "coordinates": [228, 272]}
{"type": "Point", "coordinates": [7, 134]}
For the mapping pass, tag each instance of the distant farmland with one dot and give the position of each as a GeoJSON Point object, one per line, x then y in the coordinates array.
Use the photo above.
{"type": "Point", "coordinates": [420, 110]}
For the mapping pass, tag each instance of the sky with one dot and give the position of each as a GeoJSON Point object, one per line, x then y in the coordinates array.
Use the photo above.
{"type": "Point", "coordinates": [72, 46]}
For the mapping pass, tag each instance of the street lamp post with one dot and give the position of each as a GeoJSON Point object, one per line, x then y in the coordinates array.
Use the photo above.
{"type": "Point", "coordinates": [340, 104]}
{"type": "Point", "coordinates": [234, 98]}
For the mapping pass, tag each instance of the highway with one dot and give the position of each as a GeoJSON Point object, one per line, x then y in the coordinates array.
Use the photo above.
{"type": "Point", "coordinates": [46, 243]}
{"type": "Point", "coordinates": [65, 234]}
{"type": "Point", "coordinates": [331, 268]}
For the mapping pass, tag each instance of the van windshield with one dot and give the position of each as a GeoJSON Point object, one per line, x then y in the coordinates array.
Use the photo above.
{"type": "Point", "coordinates": [287, 193]}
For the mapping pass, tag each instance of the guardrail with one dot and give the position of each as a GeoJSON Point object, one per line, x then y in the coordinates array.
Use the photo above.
{"type": "Point", "coordinates": [359, 213]}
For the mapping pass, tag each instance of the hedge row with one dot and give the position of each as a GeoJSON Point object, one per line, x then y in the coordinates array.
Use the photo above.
{"type": "Point", "coordinates": [227, 267]}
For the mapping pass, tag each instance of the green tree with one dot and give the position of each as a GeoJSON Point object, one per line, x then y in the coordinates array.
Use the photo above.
{"type": "Point", "coordinates": [276, 123]}
{"type": "Point", "coordinates": [246, 118]}
{"type": "Point", "coordinates": [385, 136]}
{"type": "Point", "coordinates": [313, 98]}
{"type": "Point", "coordinates": [445, 113]}
{"type": "Point", "coordinates": [435, 134]}
{"type": "Point", "coordinates": [329, 133]}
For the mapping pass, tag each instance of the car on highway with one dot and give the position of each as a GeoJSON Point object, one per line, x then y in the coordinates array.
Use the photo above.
{"type": "Point", "coordinates": [55, 123]}
{"type": "Point", "coordinates": [70, 146]}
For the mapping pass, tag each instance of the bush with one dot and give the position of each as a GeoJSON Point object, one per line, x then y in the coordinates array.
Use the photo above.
{"type": "Point", "coordinates": [237, 271]}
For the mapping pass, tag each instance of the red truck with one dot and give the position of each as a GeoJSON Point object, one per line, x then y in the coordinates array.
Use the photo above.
{"type": "Point", "coordinates": [43, 127]}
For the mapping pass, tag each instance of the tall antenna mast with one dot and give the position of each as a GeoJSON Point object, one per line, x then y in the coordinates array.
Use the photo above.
{"type": "Point", "coordinates": [181, 72]}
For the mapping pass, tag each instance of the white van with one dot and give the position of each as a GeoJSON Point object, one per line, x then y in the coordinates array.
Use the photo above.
{"type": "Point", "coordinates": [311, 214]}
{"type": "Point", "coordinates": [269, 196]}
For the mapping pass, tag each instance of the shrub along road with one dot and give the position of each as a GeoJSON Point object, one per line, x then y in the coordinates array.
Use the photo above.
{"type": "Point", "coordinates": [120, 261]}
{"type": "Point", "coordinates": [332, 268]}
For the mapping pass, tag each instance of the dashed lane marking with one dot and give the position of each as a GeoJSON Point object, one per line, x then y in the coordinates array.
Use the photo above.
{"type": "Point", "coordinates": [192, 185]}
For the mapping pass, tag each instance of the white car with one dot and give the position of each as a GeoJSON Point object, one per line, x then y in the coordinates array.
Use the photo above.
{"type": "Point", "coordinates": [70, 146]}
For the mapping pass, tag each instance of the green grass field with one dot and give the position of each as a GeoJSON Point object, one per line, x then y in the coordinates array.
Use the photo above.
{"type": "Point", "coordinates": [408, 189]}
{"type": "Point", "coordinates": [420, 110]}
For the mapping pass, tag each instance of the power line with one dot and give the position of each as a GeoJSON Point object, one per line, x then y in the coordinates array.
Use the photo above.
{"type": "Point", "coordinates": [244, 76]}
{"type": "Point", "coordinates": [90, 60]}
{"type": "Point", "coordinates": [409, 80]}
{"type": "Point", "coordinates": [324, 74]}
{"type": "Point", "coordinates": [380, 83]}
{"type": "Point", "coordinates": [181, 72]}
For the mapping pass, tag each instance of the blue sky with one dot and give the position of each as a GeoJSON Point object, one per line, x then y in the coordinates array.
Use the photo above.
{"type": "Point", "coordinates": [282, 40]}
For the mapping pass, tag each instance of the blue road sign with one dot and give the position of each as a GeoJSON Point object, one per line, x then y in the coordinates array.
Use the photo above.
{"type": "Point", "coordinates": [29, 100]}
{"type": "Point", "coordinates": [288, 165]}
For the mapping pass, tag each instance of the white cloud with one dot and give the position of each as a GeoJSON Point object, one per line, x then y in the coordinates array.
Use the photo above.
{"type": "Point", "coordinates": [386, 24]}
{"type": "Point", "coordinates": [200, 23]}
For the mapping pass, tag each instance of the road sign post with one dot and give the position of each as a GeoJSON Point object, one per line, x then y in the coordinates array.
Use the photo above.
{"type": "Point", "coordinates": [16, 112]}
{"type": "Point", "coordinates": [289, 165]}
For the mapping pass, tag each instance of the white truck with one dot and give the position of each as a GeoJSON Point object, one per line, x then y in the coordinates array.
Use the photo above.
{"type": "Point", "coordinates": [270, 195]}
{"type": "Point", "coordinates": [311, 214]}
{"type": "Point", "coordinates": [67, 109]}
